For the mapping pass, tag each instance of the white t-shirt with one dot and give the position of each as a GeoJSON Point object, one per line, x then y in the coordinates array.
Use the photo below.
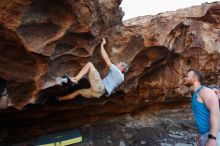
{"type": "Point", "coordinates": [113, 79]}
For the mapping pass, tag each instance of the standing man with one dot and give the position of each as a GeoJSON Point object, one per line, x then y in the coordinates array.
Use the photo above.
{"type": "Point", "coordinates": [205, 106]}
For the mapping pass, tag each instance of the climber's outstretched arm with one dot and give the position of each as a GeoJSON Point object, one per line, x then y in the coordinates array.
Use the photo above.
{"type": "Point", "coordinates": [104, 54]}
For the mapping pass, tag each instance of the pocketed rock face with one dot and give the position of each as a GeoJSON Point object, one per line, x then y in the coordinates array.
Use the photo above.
{"type": "Point", "coordinates": [160, 49]}
{"type": "Point", "coordinates": [44, 39]}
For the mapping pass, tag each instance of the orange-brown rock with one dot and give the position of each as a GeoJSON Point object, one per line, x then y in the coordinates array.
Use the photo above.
{"type": "Point", "coordinates": [41, 40]}
{"type": "Point", "coordinates": [44, 39]}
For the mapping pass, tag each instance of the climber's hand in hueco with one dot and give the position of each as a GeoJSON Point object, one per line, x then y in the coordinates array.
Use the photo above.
{"type": "Point", "coordinates": [103, 42]}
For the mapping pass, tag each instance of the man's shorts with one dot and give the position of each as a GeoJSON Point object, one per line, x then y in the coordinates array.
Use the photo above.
{"type": "Point", "coordinates": [96, 82]}
{"type": "Point", "coordinates": [204, 138]}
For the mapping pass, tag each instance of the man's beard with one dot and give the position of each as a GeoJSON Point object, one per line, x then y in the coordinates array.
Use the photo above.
{"type": "Point", "coordinates": [188, 84]}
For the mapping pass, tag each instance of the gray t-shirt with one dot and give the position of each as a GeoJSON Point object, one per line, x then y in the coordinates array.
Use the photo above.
{"type": "Point", "coordinates": [113, 79]}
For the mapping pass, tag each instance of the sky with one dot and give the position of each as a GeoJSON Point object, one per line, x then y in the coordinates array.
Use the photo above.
{"type": "Point", "coordinates": [134, 8]}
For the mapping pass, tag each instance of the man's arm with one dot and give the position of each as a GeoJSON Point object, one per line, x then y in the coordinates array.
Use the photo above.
{"type": "Point", "coordinates": [104, 54]}
{"type": "Point", "coordinates": [211, 101]}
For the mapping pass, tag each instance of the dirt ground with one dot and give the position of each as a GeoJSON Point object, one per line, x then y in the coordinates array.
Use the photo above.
{"type": "Point", "coordinates": [164, 128]}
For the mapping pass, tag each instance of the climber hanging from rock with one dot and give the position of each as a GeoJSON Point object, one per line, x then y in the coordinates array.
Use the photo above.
{"type": "Point", "coordinates": [99, 87]}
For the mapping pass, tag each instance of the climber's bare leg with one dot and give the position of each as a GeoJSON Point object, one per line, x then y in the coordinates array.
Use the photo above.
{"type": "Point", "coordinates": [97, 87]}
{"type": "Point", "coordinates": [87, 93]}
{"type": "Point", "coordinates": [83, 71]}
{"type": "Point", "coordinates": [69, 96]}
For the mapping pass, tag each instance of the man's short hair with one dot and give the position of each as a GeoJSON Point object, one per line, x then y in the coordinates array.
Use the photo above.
{"type": "Point", "coordinates": [125, 66]}
{"type": "Point", "coordinates": [199, 74]}
{"type": "Point", "coordinates": [214, 87]}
